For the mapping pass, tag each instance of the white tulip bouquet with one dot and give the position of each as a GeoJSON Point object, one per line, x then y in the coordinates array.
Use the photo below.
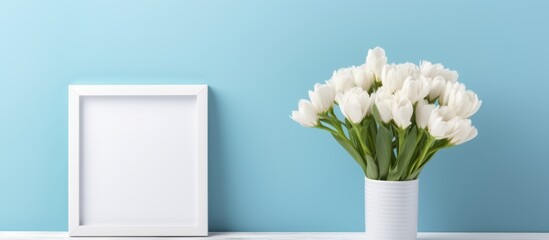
{"type": "Point", "coordinates": [396, 116]}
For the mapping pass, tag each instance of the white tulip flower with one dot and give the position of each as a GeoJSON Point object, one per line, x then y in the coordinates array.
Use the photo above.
{"type": "Point", "coordinates": [423, 113]}
{"type": "Point", "coordinates": [342, 80]}
{"type": "Point", "coordinates": [383, 102]}
{"type": "Point", "coordinates": [393, 75]}
{"type": "Point", "coordinates": [437, 127]}
{"type": "Point", "coordinates": [355, 104]}
{"type": "Point", "coordinates": [450, 89]}
{"type": "Point", "coordinates": [375, 60]}
{"type": "Point", "coordinates": [438, 123]}
{"type": "Point", "coordinates": [306, 114]}
{"type": "Point", "coordinates": [456, 129]}
{"type": "Point", "coordinates": [437, 84]}
{"type": "Point", "coordinates": [464, 103]}
{"type": "Point", "coordinates": [322, 97]}
{"type": "Point", "coordinates": [363, 77]}
{"type": "Point", "coordinates": [414, 89]}
{"type": "Point", "coordinates": [462, 131]}
{"type": "Point", "coordinates": [430, 70]}
{"type": "Point", "coordinates": [402, 111]}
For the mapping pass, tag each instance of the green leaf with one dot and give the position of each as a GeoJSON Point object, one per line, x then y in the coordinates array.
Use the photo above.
{"type": "Point", "coordinates": [439, 144]}
{"type": "Point", "coordinates": [348, 124]}
{"type": "Point", "coordinates": [372, 133]}
{"type": "Point", "coordinates": [415, 161]}
{"type": "Point", "coordinates": [344, 142]}
{"type": "Point", "coordinates": [393, 176]}
{"type": "Point", "coordinates": [371, 168]}
{"type": "Point", "coordinates": [415, 174]}
{"type": "Point", "coordinates": [365, 136]}
{"type": "Point", "coordinates": [406, 153]}
{"type": "Point", "coordinates": [377, 117]}
{"type": "Point", "coordinates": [355, 141]}
{"type": "Point", "coordinates": [427, 159]}
{"type": "Point", "coordinates": [384, 147]}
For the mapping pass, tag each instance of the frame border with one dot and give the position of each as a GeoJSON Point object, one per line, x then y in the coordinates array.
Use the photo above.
{"type": "Point", "coordinates": [74, 94]}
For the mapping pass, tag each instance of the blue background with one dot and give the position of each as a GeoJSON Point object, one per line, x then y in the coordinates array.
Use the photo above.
{"type": "Point", "coordinates": [267, 173]}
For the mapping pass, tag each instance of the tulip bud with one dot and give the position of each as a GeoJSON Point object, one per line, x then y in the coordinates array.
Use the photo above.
{"type": "Point", "coordinates": [306, 114]}
{"type": "Point", "coordinates": [375, 60]}
{"type": "Point", "coordinates": [402, 111]}
{"type": "Point", "coordinates": [355, 104]}
{"type": "Point", "coordinates": [383, 103]}
{"type": "Point", "coordinates": [364, 77]}
{"type": "Point", "coordinates": [423, 113]}
{"type": "Point", "coordinates": [322, 97]}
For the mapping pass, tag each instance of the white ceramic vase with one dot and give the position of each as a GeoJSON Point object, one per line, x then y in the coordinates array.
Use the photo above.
{"type": "Point", "coordinates": [391, 210]}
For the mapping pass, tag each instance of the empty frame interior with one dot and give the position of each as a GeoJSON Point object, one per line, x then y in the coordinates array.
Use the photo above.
{"type": "Point", "coordinates": [138, 160]}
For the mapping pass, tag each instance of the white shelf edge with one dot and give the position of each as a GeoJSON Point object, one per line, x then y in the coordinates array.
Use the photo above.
{"type": "Point", "coordinates": [19, 235]}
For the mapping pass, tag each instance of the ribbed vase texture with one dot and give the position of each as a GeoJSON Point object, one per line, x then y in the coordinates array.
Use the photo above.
{"type": "Point", "coordinates": [391, 210]}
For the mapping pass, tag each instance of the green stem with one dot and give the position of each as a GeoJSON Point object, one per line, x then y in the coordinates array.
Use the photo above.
{"type": "Point", "coordinates": [401, 133]}
{"type": "Point", "coordinates": [320, 126]}
{"type": "Point", "coordinates": [439, 147]}
{"type": "Point", "coordinates": [420, 135]}
{"type": "Point", "coordinates": [424, 152]}
{"type": "Point", "coordinates": [334, 124]}
{"type": "Point", "coordinates": [361, 140]}
{"type": "Point", "coordinates": [421, 132]}
{"type": "Point", "coordinates": [335, 116]}
{"type": "Point", "coordinates": [333, 121]}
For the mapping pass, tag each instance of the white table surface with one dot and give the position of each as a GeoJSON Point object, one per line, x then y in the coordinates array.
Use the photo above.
{"type": "Point", "coordinates": [283, 236]}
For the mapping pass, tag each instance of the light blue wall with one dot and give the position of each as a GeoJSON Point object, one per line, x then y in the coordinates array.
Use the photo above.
{"type": "Point", "coordinates": [259, 57]}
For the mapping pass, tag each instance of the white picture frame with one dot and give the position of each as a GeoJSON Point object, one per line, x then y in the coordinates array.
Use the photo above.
{"type": "Point", "coordinates": [138, 160]}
